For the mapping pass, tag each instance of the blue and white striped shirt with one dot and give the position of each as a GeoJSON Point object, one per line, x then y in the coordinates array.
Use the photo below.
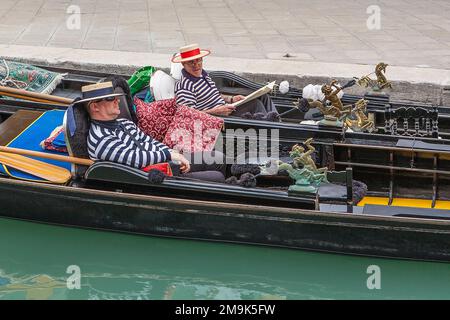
{"type": "Point", "coordinates": [200, 93]}
{"type": "Point", "coordinates": [123, 142]}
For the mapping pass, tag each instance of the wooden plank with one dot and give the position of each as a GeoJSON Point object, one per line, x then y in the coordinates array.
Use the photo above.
{"type": "Point", "coordinates": [15, 124]}
{"type": "Point", "coordinates": [81, 161]}
{"type": "Point", "coordinates": [33, 96]}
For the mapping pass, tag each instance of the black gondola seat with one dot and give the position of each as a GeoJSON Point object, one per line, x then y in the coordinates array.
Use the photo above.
{"type": "Point", "coordinates": [127, 178]}
{"type": "Point", "coordinates": [77, 143]}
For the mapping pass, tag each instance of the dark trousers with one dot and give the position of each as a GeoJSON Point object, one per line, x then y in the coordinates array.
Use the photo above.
{"type": "Point", "coordinates": [261, 105]}
{"type": "Point", "coordinates": [204, 170]}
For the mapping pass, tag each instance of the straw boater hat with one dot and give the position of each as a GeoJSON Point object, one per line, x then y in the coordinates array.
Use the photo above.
{"type": "Point", "coordinates": [98, 91]}
{"type": "Point", "coordinates": [190, 52]}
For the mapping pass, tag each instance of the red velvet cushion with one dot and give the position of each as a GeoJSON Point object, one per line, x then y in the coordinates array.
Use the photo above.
{"type": "Point", "coordinates": [154, 118]}
{"type": "Point", "coordinates": [164, 167]}
{"type": "Point", "coordinates": [192, 130]}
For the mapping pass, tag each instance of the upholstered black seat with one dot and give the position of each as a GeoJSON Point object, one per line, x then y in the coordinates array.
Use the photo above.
{"type": "Point", "coordinates": [77, 142]}
{"type": "Point", "coordinates": [126, 102]}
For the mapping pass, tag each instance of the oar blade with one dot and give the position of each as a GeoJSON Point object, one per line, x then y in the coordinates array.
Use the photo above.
{"type": "Point", "coordinates": [46, 171]}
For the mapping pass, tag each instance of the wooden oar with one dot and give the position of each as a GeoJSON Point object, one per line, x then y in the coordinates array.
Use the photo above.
{"type": "Point", "coordinates": [37, 168]}
{"type": "Point", "coordinates": [85, 162]}
{"type": "Point", "coordinates": [34, 96]}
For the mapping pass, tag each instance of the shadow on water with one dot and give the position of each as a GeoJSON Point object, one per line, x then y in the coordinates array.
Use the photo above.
{"type": "Point", "coordinates": [34, 259]}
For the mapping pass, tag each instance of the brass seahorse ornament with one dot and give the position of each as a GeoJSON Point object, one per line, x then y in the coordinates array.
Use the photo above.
{"type": "Point", "coordinates": [380, 83]}
{"type": "Point", "coordinates": [362, 122]}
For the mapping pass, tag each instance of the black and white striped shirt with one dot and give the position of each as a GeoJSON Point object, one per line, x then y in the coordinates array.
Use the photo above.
{"type": "Point", "coordinates": [200, 93]}
{"type": "Point", "coordinates": [123, 142]}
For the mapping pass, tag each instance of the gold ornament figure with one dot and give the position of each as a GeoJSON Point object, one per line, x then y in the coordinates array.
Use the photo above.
{"type": "Point", "coordinates": [381, 82]}
{"type": "Point", "coordinates": [362, 122]}
{"type": "Point", "coordinates": [302, 157]}
{"type": "Point", "coordinates": [332, 96]}
{"type": "Point", "coordinates": [336, 110]}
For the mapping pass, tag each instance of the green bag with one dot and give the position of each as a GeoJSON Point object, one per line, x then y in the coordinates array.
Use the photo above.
{"type": "Point", "coordinates": [140, 79]}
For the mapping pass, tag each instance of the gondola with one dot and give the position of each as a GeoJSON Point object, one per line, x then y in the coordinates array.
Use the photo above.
{"type": "Point", "coordinates": [114, 197]}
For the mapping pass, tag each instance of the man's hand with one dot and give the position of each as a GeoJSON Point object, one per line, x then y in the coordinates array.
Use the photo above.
{"type": "Point", "coordinates": [237, 98]}
{"type": "Point", "coordinates": [185, 166]}
{"type": "Point", "coordinates": [222, 110]}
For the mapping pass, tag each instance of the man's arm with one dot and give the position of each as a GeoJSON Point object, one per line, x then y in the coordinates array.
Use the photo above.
{"type": "Point", "coordinates": [222, 110]}
{"type": "Point", "coordinates": [338, 89]}
{"type": "Point", "coordinates": [113, 149]}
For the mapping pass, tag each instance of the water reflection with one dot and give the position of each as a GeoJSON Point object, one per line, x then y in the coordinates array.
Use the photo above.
{"type": "Point", "coordinates": [34, 259]}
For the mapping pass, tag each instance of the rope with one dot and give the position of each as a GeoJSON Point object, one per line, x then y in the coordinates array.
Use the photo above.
{"type": "Point", "coordinates": [7, 81]}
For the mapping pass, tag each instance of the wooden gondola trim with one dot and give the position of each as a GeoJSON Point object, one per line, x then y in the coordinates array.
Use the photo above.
{"type": "Point", "coordinates": [18, 96]}
{"type": "Point", "coordinates": [15, 124]}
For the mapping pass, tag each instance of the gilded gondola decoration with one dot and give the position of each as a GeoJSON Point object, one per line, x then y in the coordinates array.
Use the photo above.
{"type": "Point", "coordinates": [361, 121]}
{"type": "Point", "coordinates": [331, 95]}
{"type": "Point", "coordinates": [330, 106]}
{"type": "Point", "coordinates": [303, 170]}
{"type": "Point", "coordinates": [306, 180]}
{"type": "Point", "coordinates": [302, 157]}
{"type": "Point", "coordinates": [380, 83]}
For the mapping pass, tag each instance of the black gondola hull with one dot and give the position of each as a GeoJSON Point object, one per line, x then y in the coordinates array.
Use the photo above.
{"type": "Point", "coordinates": [359, 234]}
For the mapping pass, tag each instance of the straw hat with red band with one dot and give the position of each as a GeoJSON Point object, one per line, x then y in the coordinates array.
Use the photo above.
{"type": "Point", "coordinates": [190, 52]}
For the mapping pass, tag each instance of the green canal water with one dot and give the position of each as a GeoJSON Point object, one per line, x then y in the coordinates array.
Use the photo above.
{"type": "Point", "coordinates": [34, 260]}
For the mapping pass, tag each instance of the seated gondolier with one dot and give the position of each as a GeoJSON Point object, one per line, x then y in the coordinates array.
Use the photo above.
{"type": "Point", "coordinates": [121, 141]}
{"type": "Point", "coordinates": [196, 89]}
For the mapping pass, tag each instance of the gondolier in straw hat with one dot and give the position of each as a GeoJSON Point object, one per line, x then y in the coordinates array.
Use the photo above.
{"type": "Point", "coordinates": [196, 89]}
{"type": "Point", "coordinates": [121, 141]}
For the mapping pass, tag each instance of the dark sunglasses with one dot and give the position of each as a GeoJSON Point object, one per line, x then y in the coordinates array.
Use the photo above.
{"type": "Point", "coordinates": [107, 99]}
